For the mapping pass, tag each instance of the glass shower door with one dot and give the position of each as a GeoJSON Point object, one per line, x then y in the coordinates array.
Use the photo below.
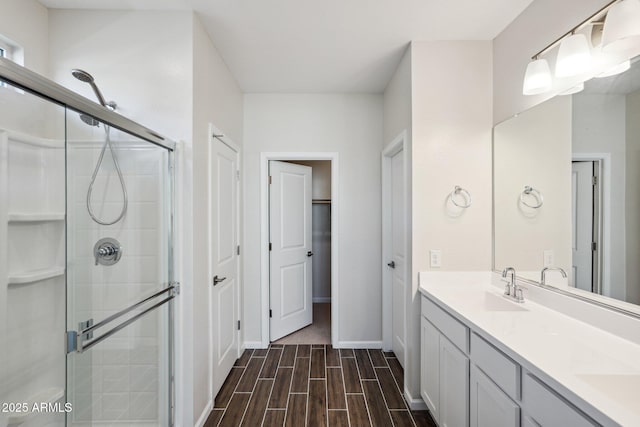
{"type": "Point", "coordinates": [119, 277]}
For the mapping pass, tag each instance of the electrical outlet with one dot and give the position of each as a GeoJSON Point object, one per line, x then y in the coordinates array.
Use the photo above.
{"type": "Point", "coordinates": [548, 258]}
{"type": "Point", "coordinates": [435, 256]}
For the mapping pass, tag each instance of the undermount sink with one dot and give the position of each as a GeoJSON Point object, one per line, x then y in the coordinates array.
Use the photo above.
{"type": "Point", "coordinates": [493, 302]}
{"type": "Point", "coordinates": [622, 388]}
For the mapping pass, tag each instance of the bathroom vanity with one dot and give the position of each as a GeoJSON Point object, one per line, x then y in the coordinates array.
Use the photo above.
{"type": "Point", "coordinates": [491, 362]}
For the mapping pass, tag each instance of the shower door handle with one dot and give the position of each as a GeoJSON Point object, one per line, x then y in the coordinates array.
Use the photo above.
{"type": "Point", "coordinates": [217, 280]}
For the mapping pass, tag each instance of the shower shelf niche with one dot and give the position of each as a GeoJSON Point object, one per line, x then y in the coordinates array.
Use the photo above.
{"type": "Point", "coordinates": [35, 275]}
{"type": "Point", "coordinates": [36, 217]}
{"type": "Point", "coordinates": [47, 396]}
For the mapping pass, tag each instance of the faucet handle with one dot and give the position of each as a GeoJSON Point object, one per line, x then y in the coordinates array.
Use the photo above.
{"type": "Point", "coordinates": [520, 293]}
{"type": "Point", "coordinates": [507, 287]}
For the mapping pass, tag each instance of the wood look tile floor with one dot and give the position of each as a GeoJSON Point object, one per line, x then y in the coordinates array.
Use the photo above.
{"type": "Point", "coordinates": [314, 385]}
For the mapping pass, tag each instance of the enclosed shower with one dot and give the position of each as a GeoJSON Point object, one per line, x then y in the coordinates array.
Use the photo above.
{"type": "Point", "coordinates": [86, 279]}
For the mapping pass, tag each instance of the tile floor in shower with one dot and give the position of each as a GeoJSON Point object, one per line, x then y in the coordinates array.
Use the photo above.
{"type": "Point", "coordinates": [315, 385]}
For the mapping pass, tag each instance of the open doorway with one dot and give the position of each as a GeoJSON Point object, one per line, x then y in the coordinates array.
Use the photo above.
{"type": "Point", "coordinates": [318, 331]}
{"type": "Point", "coordinates": [586, 210]}
{"type": "Point", "coordinates": [300, 297]}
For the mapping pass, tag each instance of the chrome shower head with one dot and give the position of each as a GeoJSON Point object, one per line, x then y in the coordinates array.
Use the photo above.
{"type": "Point", "coordinates": [82, 75]}
{"type": "Point", "coordinates": [85, 77]}
{"type": "Point", "coordinates": [89, 120]}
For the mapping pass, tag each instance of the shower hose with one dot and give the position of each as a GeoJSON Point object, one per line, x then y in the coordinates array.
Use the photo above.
{"type": "Point", "coordinates": [107, 142]}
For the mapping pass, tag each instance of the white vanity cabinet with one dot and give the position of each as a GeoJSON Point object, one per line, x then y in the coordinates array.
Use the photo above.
{"type": "Point", "coordinates": [468, 382]}
{"type": "Point", "coordinates": [490, 406]}
{"type": "Point", "coordinates": [444, 373]}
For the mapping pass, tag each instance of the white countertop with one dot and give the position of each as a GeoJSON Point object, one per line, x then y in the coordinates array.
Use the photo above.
{"type": "Point", "coordinates": [580, 361]}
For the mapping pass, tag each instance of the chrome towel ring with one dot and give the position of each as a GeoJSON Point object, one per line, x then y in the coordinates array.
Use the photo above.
{"type": "Point", "coordinates": [531, 193]}
{"type": "Point", "coordinates": [463, 196]}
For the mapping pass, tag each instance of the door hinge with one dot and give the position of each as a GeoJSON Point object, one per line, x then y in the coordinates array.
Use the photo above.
{"type": "Point", "coordinates": [238, 250]}
{"type": "Point", "coordinates": [238, 325]}
{"type": "Point", "coordinates": [269, 179]}
{"type": "Point", "coordinates": [594, 246]}
{"type": "Point", "coordinates": [72, 341]}
{"type": "Point", "coordinates": [594, 180]}
{"type": "Point", "coordinates": [270, 313]}
{"type": "Point", "coordinates": [238, 174]}
{"type": "Point", "coordinates": [269, 245]}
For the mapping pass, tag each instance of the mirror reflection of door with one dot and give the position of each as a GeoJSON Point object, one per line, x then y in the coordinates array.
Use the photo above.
{"type": "Point", "coordinates": [585, 214]}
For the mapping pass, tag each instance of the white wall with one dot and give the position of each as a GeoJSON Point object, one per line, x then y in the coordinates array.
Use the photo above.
{"type": "Point", "coordinates": [598, 126]}
{"type": "Point", "coordinates": [632, 202]}
{"type": "Point", "coordinates": [397, 100]}
{"type": "Point", "coordinates": [25, 22]}
{"type": "Point", "coordinates": [217, 99]}
{"type": "Point", "coordinates": [533, 149]}
{"type": "Point", "coordinates": [126, 52]}
{"type": "Point", "coordinates": [352, 126]}
{"type": "Point", "coordinates": [537, 26]}
{"type": "Point", "coordinates": [451, 139]}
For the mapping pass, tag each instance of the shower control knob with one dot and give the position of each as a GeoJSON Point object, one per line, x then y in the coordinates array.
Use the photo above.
{"type": "Point", "coordinates": [107, 251]}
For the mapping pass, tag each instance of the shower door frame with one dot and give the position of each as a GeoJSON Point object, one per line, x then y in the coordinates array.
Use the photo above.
{"type": "Point", "coordinates": [31, 82]}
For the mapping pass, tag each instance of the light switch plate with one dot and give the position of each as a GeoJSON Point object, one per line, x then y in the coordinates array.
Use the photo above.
{"type": "Point", "coordinates": [435, 256]}
{"type": "Point", "coordinates": [548, 258]}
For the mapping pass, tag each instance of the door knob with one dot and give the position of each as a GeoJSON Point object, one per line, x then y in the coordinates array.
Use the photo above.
{"type": "Point", "coordinates": [217, 280]}
{"type": "Point", "coordinates": [309, 253]}
{"type": "Point", "coordinates": [392, 264]}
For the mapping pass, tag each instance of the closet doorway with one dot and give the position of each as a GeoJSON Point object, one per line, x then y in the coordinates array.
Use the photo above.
{"type": "Point", "coordinates": [301, 269]}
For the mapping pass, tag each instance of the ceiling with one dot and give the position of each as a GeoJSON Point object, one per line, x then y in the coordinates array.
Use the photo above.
{"type": "Point", "coordinates": [329, 46]}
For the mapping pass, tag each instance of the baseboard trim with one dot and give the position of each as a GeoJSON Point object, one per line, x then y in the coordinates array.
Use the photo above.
{"type": "Point", "coordinates": [415, 404]}
{"type": "Point", "coordinates": [253, 344]}
{"type": "Point", "coordinates": [359, 344]}
{"type": "Point", "coordinates": [205, 414]}
{"type": "Point", "coordinates": [321, 300]}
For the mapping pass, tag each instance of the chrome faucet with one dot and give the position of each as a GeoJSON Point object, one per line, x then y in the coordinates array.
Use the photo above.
{"type": "Point", "coordinates": [543, 273]}
{"type": "Point", "coordinates": [512, 290]}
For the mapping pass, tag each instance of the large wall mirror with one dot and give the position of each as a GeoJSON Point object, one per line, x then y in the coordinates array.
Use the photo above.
{"type": "Point", "coordinates": [567, 190]}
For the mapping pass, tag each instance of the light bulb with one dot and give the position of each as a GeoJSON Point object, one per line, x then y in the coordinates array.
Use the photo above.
{"type": "Point", "coordinates": [537, 78]}
{"type": "Point", "coordinates": [622, 27]}
{"type": "Point", "coordinates": [618, 69]}
{"type": "Point", "coordinates": [574, 56]}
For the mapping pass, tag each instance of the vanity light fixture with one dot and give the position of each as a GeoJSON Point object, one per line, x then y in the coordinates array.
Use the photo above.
{"type": "Point", "coordinates": [622, 26]}
{"type": "Point", "coordinates": [574, 56]}
{"type": "Point", "coordinates": [618, 69]}
{"type": "Point", "coordinates": [537, 78]}
{"type": "Point", "coordinates": [621, 20]}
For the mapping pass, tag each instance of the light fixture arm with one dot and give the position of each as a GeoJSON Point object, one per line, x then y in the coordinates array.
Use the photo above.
{"type": "Point", "coordinates": [589, 20]}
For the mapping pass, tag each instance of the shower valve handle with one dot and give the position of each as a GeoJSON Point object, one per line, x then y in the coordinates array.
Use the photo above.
{"type": "Point", "coordinates": [107, 251]}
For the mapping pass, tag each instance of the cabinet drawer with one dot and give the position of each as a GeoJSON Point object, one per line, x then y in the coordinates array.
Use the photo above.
{"type": "Point", "coordinates": [455, 331]}
{"type": "Point", "coordinates": [548, 408]}
{"type": "Point", "coordinates": [498, 366]}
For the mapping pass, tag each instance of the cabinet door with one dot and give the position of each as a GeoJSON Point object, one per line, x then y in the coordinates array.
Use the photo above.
{"type": "Point", "coordinates": [430, 367]}
{"type": "Point", "coordinates": [454, 386]}
{"type": "Point", "coordinates": [489, 406]}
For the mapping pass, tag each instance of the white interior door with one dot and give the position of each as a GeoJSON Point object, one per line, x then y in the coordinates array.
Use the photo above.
{"type": "Point", "coordinates": [223, 163]}
{"type": "Point", "coordinates": [291, 245]}
{"type": "Point", "coordinates": [398, 255]}
{"type": "Point", "coordinates": [582, 233]}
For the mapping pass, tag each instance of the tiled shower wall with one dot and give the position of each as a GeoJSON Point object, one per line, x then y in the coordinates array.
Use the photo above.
{"type": "Point", "coordinates": [123, 378]}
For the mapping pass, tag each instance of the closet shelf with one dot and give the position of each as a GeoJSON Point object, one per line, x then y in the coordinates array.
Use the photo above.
{"type": "Point", "coordinates": [35, 275]}
{"type": "Point", "coordinates": [36, 217]}
{"type": "Point", "coordinates": [50, 395]}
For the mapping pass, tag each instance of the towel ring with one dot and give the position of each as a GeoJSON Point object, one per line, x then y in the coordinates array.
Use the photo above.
{"type": "Point", "coordinates": [530, 191]}
{"type": "Point", "coordinates": [464, 194]}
